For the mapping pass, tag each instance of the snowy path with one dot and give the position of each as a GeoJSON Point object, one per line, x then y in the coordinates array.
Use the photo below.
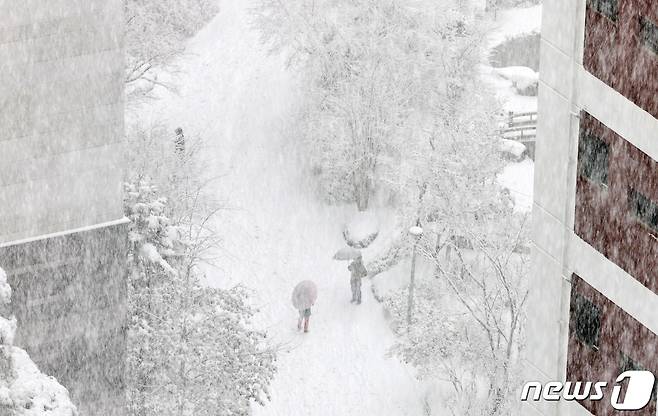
{"type": "Point", "coordinates": [239, 99]}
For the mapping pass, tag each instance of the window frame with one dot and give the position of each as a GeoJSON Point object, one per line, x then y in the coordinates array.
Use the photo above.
{"type": "Point", "coordinates": [627, 363]}
{"type": "Point", "coordinates": [591, 145]}
{"type": "Point", "coordinates": [648, 29]}
{"type": "Point", "coordinates": [649, 219]}
{"type": "Point", "coordinates": [590, 340]}
{"type": "Point", "coordinates": [599, 7]}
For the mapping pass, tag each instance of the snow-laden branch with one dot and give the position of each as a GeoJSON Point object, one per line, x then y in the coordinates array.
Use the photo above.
{"type": "Point", "coordinates": [24, 390]}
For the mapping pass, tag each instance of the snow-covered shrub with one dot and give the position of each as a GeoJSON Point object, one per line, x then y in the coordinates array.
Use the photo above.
{"type": "Point", "coordinates": [191, 348]}
{"type": "Point", "coordinates": [524, 79]}
{"type": "Point", "coordinates": [361, 230]}
{"type": "Point", "coordinates": [24, 390]}
{"type": "Point", "coordinates": [513, 150]}
{"type": "Point", "coordinates": [519, 50]}
{"type": "Point", "coordinates": [396, 249]}
{"type": "Point", "coordinates": [467, 321]}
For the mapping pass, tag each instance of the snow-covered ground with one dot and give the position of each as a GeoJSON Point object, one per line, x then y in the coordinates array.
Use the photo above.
{"type": "Point", "coordinates": [513, 22]}
{"type": "Point", "coordinates": [518, 179]}
{"type": "Point", "coordinates": [276, 234]}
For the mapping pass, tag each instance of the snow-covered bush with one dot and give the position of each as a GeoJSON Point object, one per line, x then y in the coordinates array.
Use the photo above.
{"type": "Point", "coordinates": [513, 150]}
{"type": "Point", "coordinates": [180, 176]}
{"type": "Point", "coordinates": [519, 50]}
{"type": "Point", "coordinates": [524, 79]}
{"type": "Point", "coordinates": [397, 248]}
{"type": "Point", "coordinates": [361, 230]}
{"type": "Point", "coordinates": [156, 32]}
{"type": "Point", "coordinates": [191, 349]}
{"type": "Point", "coordinates": [467, 322]}
{"type": "Point", "coordinates": [24, 390]}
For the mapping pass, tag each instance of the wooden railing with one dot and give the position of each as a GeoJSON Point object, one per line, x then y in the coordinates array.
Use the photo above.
{"type": "Point", "coordinates": [522, 127]}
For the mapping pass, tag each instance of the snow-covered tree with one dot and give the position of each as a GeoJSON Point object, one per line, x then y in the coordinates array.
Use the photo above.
{"type": "Point", "coordinates": [24, 390]}
{"type": "Point", "coordinates": [180, 175]}
{"type": "Point", "coordinates": [374, 73]}
{"type": "Point", "coordinates": [191, 348]}
{"type": "Point", "coordinates": [156, 32]}
{"type": "Point", "coordinates": [468, 316]}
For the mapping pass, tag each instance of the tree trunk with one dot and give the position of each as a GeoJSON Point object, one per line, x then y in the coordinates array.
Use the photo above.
{"type": "Point", "coordinates": [412, 284]}
{"type": "Point", "coordinates": [361, 191]}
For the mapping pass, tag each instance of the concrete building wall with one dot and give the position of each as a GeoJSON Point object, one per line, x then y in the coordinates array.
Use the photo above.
{"type": "Point", "coordinates": [566, 89]}
{"type": "Point", "coordinates": [69, 297]}
{"type": "Point", "coordinates": [61, 115]}
{"type": "Point", "coordinates": [62, 233]}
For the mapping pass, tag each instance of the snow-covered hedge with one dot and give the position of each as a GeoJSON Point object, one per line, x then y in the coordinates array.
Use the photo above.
{"type": "Point", "coordinates": [362, 230]}
{"type": "Point", "coordinates": [513, 150]}
{"type": "Point", "coordinates": [524, 79]}
{"type": "Point", "coordinates": [24, 390]}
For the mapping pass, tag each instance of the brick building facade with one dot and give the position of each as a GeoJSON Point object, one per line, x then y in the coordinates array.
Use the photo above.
{"type": "Point", "coordinates": [594, 282]}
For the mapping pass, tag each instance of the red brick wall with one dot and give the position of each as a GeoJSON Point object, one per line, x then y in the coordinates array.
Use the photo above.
{"type": "Point", "coordinates": [604, 217]}
{"type": "Point", "coordinates": [619, 333]}
{"type": "Point", "coordinates": [615, 53]}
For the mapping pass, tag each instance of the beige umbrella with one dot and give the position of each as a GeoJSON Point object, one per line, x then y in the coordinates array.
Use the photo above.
{"type": "Point", "coordinates": [347, 253]}
{"type": "Point", "coordinates": [304, 295]}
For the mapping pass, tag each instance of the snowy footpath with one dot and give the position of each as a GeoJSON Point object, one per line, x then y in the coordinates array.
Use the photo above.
{"type": "Point", "coordinates": [275, 233]}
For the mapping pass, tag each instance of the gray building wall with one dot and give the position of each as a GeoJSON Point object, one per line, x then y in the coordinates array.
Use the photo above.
{"type": "Point", "coordinates": [69, 297]}
{"type": "Point", "coordinates": [61, 115]}
{"type": "Point", "coordinates": [62, 233]}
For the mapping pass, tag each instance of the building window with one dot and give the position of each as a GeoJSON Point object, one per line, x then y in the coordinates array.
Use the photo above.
{"type": "Point", "coordinates": [644, 210]}
{"type": "Point", "coordinates": [608, 8]}
{"type": "Point", "coordinates": [593, 155]}
{"type": "Point", "coordinates": [628, 364]}
{"type": "Point", "coordinates": [587, 321]}
{"type": "Point", "coordinates": [649, 34]}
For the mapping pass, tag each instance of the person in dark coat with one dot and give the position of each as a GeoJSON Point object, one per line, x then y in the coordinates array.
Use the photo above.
{"type": "Point", "coordinates": [179, 141]}
{"type": "Point", "coordinates": [357, 272]}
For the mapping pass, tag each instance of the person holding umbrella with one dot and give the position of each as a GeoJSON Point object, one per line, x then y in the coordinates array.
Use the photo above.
{"type": "Point", "coordinates": [303, 297]}
{"type": "Point", "coordinates": [357, 272]}
{"type": "Point", "coordinates": [304, 316]}
{"type": "Point", "coordinates": [356, 268]}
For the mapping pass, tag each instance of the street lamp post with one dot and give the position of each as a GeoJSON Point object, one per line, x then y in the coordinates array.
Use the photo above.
{"type": "Point", "coordinates": [416, 232]}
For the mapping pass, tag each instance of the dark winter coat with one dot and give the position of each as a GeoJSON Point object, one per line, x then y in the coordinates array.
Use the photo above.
{"type": "Point", "coordinates": [357, 270]}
